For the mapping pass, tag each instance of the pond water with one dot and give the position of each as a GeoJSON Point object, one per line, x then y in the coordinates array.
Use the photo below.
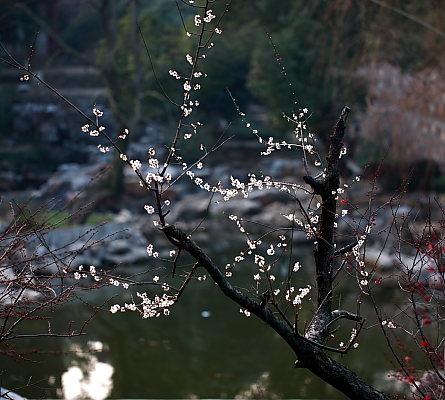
{"type": "Point", "coordinates": [204, 349]}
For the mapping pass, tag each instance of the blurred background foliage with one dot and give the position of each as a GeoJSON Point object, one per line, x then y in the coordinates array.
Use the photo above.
{"type": "Point", "coordinates": [333, 52]}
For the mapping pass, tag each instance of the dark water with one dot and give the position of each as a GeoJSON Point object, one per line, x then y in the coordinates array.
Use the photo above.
{"type": "Point", "coordinates": [204, 349]}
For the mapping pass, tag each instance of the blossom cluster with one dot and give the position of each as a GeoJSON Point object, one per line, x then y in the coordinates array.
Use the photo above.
{"type": "Point", "coordinates": [188, 85]}
{"type": "Point", "coordinates": [363, 277]}
{"type": "Point", "coordinates": [82, 273]}
{"type": "Point", "coordinates": [389, 324]}
{"type": "Point", "coordinates": [246, 312]}
{"type": "Point", "coordinates": [96, 130]}
{"type": "Point", "coordinates": [297, 299]}
{"type": "Point", "coordinates": [150, 251]}
{"type": "Point", "coordinates": [302, 135]}
{"type": "Point", "coordinates": [148, 308]}
{"type": "Point", "coordinates": [351, 340]}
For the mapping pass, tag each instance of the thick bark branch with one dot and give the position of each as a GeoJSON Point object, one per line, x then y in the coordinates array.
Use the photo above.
{"type": "Point", "coordinates": [309, 355]}
{"type": "Point", "coordinates": [324, 252]}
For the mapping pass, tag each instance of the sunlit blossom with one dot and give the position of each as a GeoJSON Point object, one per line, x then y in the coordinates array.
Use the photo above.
{"type": "Point", "coordinates": [115, 308]}
{"type": "Point", "coordinates": [135, 164]}
{"type": "Point", "coordinates": [271, 250]}
{"type": "Point", "coordinates": [97, 112]}
{"type": "Point", "coordinates": [149, 209]}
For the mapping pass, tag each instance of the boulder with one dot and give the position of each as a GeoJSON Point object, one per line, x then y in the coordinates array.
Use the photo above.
{"type": "Point", "coordinates": [9, 395]}
{"type": "Point", "coordinates": [190, 208]}
{"type": "Point", "coordinates": [237, 206]}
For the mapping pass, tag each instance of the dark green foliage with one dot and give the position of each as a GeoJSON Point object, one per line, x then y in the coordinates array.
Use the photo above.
{"type": "Point", "coordinates": [424, 176]}
{"type": "Point", "coordinates": [322, 45]}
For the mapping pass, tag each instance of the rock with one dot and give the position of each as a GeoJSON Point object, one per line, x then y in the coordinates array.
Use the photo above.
{"type": "Point", "coordinates": [190, 208]}
{"type": "Point", "coordinates": [70, 180]}
{"type": "Point", "coordinates": [9, 395]}
{"type": "Point", "coordinates": [281, 167]}
{"type": "Point", "coordinates": [84, 259]}
{"type": "Point", "coordinates": [133, 188]}
{"type": "Point", "coordinates": [132, 255]}
{"type": "Point", "coordinates": [268, 196]}
{"type": "Point", "coordinates": [120, 246]}
{"type": "Point", "coordinates": [272, 215]}
{"type": "Point", "coordinates": [380, 257]}
{"type": "Point", "coordinates": [124, 216]}
{"type": "Point", "coordinates": [239, 207]}
{"type": "Point", "coordinates": [111, 243]}
{"type": "Point", "coordinates": [11, 295]}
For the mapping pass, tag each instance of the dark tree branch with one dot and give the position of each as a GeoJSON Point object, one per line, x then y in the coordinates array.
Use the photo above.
{"type": "Point", "coordinates": [309, 355]}
{"type": "Point", "coordinates": [325, 250]}
{"type": "Point", "coordinates": [345, 249]}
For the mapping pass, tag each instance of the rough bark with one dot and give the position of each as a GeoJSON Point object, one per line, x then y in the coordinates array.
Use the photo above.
{"type": "Point", "coordinates": [326, 188]}
{"type": "Point", "coordinates": [308, 346]}
{"type": "Point", "coordinates": [309, 355]}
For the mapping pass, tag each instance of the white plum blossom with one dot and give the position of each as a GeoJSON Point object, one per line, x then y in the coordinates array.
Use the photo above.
{"type": "Point", "coordinates": [135, 164]}
{"type": "Point", "coordinates": [303, 292]}
{"type": "Point", "coordinates": [149, 209]}
{"type": "Point", "coordinates": [389, 324]}
{"type": "Point", "coordinates": [115, 308]}
{"type": "Point", "coordinates": [245, 312]}
{"type": "Point", "coordinates": [97, 112]}
{"type": "Point", "coordinates": [174, 74]}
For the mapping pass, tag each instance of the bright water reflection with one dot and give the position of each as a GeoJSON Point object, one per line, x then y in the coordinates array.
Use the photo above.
{"type": "Point", "coordinates": [92, 380]}
{"type": "Point", "coordinates": [204, 349]}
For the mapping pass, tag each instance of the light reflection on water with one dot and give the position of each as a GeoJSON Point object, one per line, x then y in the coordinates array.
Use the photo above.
{"type": "Point", "coordinates": [91, 380]}
{"type": "Point", "coordinates": [204, 349]}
